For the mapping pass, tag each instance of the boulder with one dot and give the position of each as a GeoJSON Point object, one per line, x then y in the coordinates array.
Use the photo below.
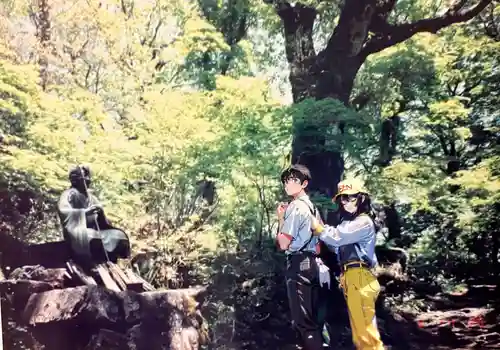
{"type": "Point", "coordinates": [93, 317]}
{"type": "Point", "coordinates": [41, 309]}
{"type": "Point", "coordinates": [54, 277]}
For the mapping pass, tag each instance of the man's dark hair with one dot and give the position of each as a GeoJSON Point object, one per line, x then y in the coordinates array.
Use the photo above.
{"type": "Point", "coordinates": [296, 171]}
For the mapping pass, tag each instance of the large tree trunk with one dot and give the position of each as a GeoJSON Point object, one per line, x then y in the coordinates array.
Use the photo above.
{"type": "Point", "coordinates": [327, 75]}
{"type": "Point", "coordinates": [310, 147]}
{"type": "Point", "coordinates": [40, 15]}
{"type": "Point", "coordinates": [362, 29]}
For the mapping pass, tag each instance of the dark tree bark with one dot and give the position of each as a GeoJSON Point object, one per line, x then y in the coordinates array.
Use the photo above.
{"type": "Point", "coordinates": [393, 222]}
{"type": "Point", "coordinates": [362, 30]}
{"type": "Point", "coordinates": [40, 15]}
{"type": "Point", "coordinates": [388, 140]}
{"type": "Point", "coordinates": [206, 190]}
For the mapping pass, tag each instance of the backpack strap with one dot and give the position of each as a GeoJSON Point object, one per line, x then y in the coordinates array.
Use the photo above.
{"type": "Point", "coordinates": [314, 212]}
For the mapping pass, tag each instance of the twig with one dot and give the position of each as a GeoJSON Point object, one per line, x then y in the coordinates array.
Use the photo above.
{"type": "Point", "coordinates": [263, 318]}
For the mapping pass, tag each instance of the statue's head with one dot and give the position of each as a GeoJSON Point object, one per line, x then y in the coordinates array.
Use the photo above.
{"type": "Point", "coordinates": [79, 176]}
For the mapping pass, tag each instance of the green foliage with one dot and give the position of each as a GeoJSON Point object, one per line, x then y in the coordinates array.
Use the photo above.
{"type": "Point", "coordinates": [127, 119]}
{"type": "Point", "coordinates": [170, 104]}
{"type": "Point", "coordinates": [246, 157]}
{"type": "Point", "coordinates": [443, 177]}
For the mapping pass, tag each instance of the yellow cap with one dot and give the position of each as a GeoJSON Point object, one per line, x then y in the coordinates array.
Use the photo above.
{"type": "Point", "coordinates": [350, 186]}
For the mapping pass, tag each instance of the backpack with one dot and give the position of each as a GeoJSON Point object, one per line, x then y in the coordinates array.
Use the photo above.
{"type": "Point", "coordinates": [328, 256]}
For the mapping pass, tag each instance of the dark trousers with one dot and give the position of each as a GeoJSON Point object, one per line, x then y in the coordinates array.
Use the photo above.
{"type": "Point", "coordinates": [303, 289]}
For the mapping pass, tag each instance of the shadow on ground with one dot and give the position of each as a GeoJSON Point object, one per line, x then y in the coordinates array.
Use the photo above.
{"type": "Point", "coordinates": [246, 305]}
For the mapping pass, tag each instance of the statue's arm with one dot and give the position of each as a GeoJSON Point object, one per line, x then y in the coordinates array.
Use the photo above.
{"type": "Point", "coordinates": [66, 210]}
{"type": "Point", "coordinates": [94, 201]}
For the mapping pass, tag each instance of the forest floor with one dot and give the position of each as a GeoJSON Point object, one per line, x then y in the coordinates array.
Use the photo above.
{"type": "Point", "coordinates": [247, 308]}
{"type": "Point", "coordinates": [466, 320]}
{"type": "Point", "coordinates": [453, 322]}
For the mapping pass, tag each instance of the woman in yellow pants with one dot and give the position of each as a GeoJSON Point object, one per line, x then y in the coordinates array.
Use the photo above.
{"type": "Point", "coordinates": [354, 242]}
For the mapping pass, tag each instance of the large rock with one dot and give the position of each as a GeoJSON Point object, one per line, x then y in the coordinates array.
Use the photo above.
{"type": "Point", "coordinates": [41, 312]}
{"type": "Point", "coordinates": [19, 291]}
{"type": "Point", "coordinates": [108, 309]}
{"type": "Point", "coordinates": [15, 253]}
{"type": "Point", "coordinates": [54, 277]}
{"type": "Point", "coordinates": [107, 339]}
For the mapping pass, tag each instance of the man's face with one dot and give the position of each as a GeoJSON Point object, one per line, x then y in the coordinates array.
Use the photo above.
{"type": "Point", "coordinates": [293, 186]}
{"type": "Point", "coordinates": [349, 202]}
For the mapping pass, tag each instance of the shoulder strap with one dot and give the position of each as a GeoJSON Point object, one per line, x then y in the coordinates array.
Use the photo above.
{"type": "Point", "coordinates": [314, 212]}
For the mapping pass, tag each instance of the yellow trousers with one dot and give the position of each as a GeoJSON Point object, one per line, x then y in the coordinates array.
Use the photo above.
{"type": "Point", "coordinates": [361, 290]}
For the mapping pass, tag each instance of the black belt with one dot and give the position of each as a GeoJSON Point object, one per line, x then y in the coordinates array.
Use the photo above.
{"type": "Point", "coordinates": [311, 254]}
{"type": "Point", "coordinates": [348, 265]}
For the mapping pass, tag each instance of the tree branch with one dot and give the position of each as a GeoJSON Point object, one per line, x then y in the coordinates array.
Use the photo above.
{"type": "Point", "coordinates": [379, 22]}
{"type": "Point", "coordinates": [124, 8]}
{"type": "Point", "coordinates": [155, 34]}
{"type": "Point", "coordinates": [278, 4]}
{"type": "Point", "coordinates": [298, 23]}
{"type": "Point", "coordinates": [442, 142]}
{"type": "Point", "coordinates": [389, 35]}
{"type": "Point", "coordinates": [127, 12]}
{"type": "Point", "coordinates": [491, 24]}
{"type": "Point", "coordinates": [352, 29]}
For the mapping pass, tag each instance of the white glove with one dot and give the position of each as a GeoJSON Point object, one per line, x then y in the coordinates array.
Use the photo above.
{"type": "Point", "coordinates": [324, 273]}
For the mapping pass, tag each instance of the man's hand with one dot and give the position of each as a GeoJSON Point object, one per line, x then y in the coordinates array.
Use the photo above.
{"type": "Point", "coordinates": [281, 239]}
{"type": "Point", "coordinates": [280, 210]}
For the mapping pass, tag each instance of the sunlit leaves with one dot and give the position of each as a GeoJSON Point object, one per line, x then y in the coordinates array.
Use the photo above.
{"type": "Point", "coordinates": [448, 119]}
{"type": "Point", "coordinates": [444, 178]}
{"type": "Point", "coordinates": [245, 157]}
{"type": "Point", "coordinates": [410, 11]}
{"type": "Point", "coordinates": [480, 183]}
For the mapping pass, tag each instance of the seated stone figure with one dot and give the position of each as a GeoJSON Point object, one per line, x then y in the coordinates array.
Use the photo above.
{"type": "Point", "coordinates": [85, 227]}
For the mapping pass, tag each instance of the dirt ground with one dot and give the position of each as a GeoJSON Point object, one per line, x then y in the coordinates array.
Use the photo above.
{"type": "Point", "coordinates": [249, 310]}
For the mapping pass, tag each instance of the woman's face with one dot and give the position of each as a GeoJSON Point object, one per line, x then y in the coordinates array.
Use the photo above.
{"type": "Point", "coordinates": [349, 202]}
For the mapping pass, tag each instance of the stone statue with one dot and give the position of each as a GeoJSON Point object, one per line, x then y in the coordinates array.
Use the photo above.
{"type": "Point", "coordinates": [90, 235]}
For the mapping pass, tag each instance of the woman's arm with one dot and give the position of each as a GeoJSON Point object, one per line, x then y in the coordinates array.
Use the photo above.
{"type": "Point", "coordinates": [346, 233]}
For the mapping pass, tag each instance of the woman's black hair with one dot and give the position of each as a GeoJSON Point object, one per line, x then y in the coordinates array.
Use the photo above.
{"type": "Point", "coordinates": [364, 207]}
